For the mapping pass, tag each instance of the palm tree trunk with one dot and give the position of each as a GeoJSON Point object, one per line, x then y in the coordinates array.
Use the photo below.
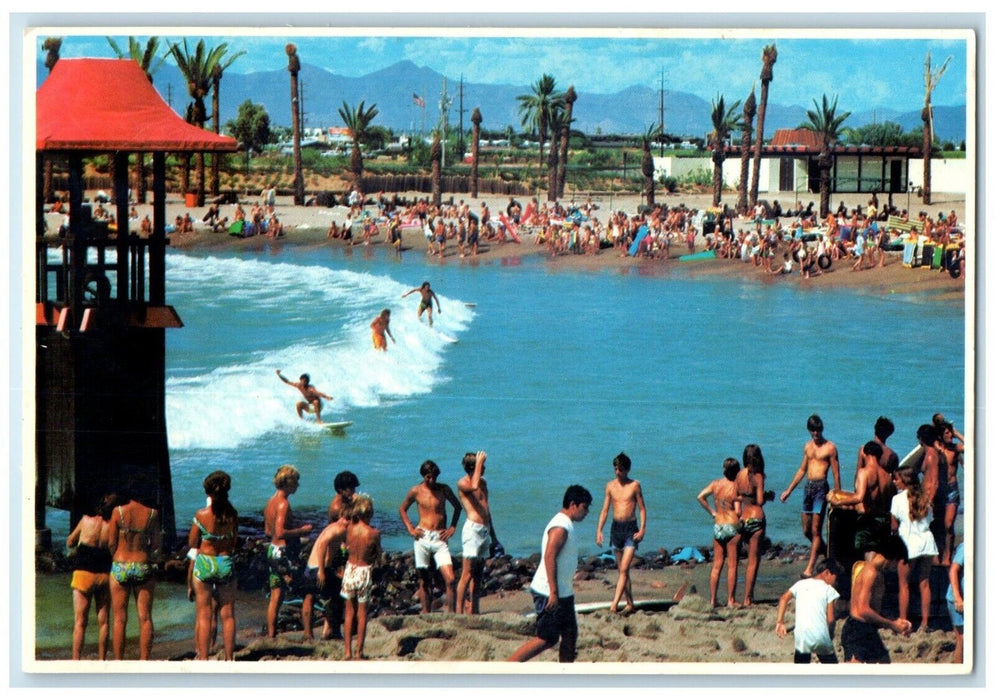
{"type": "Point", "coordinates": [184, 173]}
{"type": "Point", "coordinates": [475, 148]}
{"type": "Point", "coordinates": [201, 175]}
{"type": "Point", "coordinates": [758, 145]}
{"type": "Point", "coordinates": [296, 114]}
{"type": "Point", "coordinates": [216, 157]}
{"type": "Point", "coordinates": [927, 157]}
{"type": "Point", "coordinates": [716, 180]}
{"type": "Point", "coordinates": [554, 162]}
{"type": "Point", "coordinates": [744, 172]}
{"type": "Point", "coordinates": [141, 191]}
{"type": "Point", "coordinates": [824, 161]}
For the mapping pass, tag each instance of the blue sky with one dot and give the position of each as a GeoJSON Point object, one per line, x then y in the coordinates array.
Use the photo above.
{"type": "Point", "coordinates": [866, 68]}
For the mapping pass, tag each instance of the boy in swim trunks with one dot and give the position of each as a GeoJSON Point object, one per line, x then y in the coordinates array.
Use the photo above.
{"type": "Point", "coordinates": [363, 542]}
{"type": "Point", "coordinates": [312, 397]}
{"type": "Point", "coordinates": [427, 295]}
{"type": "Point", "coordinates": [381, 329]}
{"type": "Point", "coordinates": [819, 457]}
{"type": "Point", "coordinates": [479, 538]}
{"type": "Point", "coordinates": [624, 496]}
{"type": "Point", "coordinates": [321, 580]}
{"type": "Point", "coordinates": [278, 519]}
{"type": "Point", "coordinates": [431, 534]}
{"type": "Point", "coordinates": [861, 640]}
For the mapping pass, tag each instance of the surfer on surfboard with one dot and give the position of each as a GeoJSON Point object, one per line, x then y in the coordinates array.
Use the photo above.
{"type": "Point", "coordinates": [312, 396]}
{"type": "Point", "coordinates": [427, 295]}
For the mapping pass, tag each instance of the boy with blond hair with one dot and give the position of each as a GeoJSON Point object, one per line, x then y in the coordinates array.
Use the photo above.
{"type": "Point", "coordinates": [363, 542]}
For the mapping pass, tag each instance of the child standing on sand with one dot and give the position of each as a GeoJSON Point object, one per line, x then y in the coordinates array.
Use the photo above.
{"type": "Point", "coordinates": [727, 529]}
{"type": "Point", "coordinates": [363, 542]}
{"type": "Point", "coordinates": [623, 495]}
{"type": "Point", "coordinates": [814, 598]}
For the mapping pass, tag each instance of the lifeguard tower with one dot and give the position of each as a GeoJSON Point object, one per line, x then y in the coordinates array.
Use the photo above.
{"type": "Point", "coordinates": [100, 294]}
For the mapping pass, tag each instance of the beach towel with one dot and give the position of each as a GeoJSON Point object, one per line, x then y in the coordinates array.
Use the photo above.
{"type": "Point", "coordinates": [909, 254]}
{"type": "Point", "coordinates": [689, 554]}
{"type": "Point", "coordinates": [236, 228]}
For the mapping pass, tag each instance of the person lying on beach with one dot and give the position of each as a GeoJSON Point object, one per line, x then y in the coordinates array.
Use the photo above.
{"type": "Point", "coordinates": [312, 396]}
{"type": "Point", "coordinates": [815, 599]}
{"type": "Point", "coordinates": [431, 534]}
{"type": "Point", "coordinates": [727, 529]}
{"type": "Point", "coordinates": [363, 544]}
{"type": "Point", "coordinates": [624, 496]}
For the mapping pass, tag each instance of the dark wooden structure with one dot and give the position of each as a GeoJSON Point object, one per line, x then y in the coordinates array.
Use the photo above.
{"type": "Point", "coordinates": [100, 295]}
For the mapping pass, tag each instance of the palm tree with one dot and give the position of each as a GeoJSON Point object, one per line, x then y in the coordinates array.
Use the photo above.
{"type": "Point", "coordinates": [931, 79]}
{"type": "Point", "coordinates": [766, 75]}
{"type": "Point", "coordinates": [476, 118]}
{"type": "Point", "coordinates": [536, 108]}
{"type": "Point", "coordinates": [724, 122]}
{"type": "Point", "coordinates": [828, 126]}
{"type": "Point", "coordinates": [294, 67]}
{"type": "Point", "coordinates": [51, 47]}
{"type": "Point", "coordinates": [436, 155]}
{"type": "Point", "coordinates": [557, 125]}
{"type": "Point", "coordinates": [146, 58]}
{"type": "Point", "coordinates": [216, 74]}
{"type": "Point", "coordinates": [569, 97]}
{"type": "Point", "coordinates": [357, 120]}
{"type": "Point", "coordinates": [646, 166]}
{"type": "Point", "coordinates": [197, 69]}
{"type": "Point", "coordinates": [749, 110]}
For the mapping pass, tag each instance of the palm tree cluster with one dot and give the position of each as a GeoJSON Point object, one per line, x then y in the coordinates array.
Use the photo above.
{"type": "Point", "coordinates": [202, 68]}
{"type": "Point", "coordinates": [549, 114]}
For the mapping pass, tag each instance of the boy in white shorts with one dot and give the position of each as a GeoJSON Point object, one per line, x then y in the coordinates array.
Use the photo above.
{"type": "Point", "coordinates": [363, 542]}
{"type": "Point", "coordinates": [479, 539]}
{"type": "Point", "coordinates": [431, 534]}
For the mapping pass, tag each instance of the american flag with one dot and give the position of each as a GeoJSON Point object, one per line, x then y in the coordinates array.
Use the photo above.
{"type": "Point", "coordinates": [418, 101]}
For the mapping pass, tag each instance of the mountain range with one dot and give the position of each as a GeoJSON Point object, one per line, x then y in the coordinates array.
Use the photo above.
{"type": "Point", "coordinates": [631, 110]}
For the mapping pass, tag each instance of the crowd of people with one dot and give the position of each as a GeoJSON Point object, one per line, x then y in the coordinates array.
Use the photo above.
{"type": "Point", "coordinates": [898, 515]}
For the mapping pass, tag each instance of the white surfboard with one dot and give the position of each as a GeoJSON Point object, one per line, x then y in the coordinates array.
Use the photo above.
{"type": "Point", "coordinates": [913, 458]}
{"type": "Point", "coordinates": [655, 605]}
{"type": "Point", "coordinates": [336, 427]}
{"type": "Point", "coordinates": [448, 338]}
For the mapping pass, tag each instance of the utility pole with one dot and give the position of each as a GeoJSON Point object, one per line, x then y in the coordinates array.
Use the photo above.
{"type": "Point", "coordinates": [444, 104]}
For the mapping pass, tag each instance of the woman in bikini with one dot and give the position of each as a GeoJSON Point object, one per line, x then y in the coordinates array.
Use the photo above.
{"type": "Point", "coordinates": [726, 531]}
{"type": "Point", "coordinates": [211, 575]}
{"type": "Point", "coordinates": [135, 539]}
{"type": "Point", "coordinates": [91, 574]}
{"type": "Point", "coordinates": [750, 487]}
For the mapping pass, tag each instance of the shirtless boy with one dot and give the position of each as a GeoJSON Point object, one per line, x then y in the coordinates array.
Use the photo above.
{"type": "Point", "coordinates": [860, 637]}
{"type": "Point", "coordinates": [871, 497]}
{"type": "Point", "coordinates": [427, 295]}
{"type": "Point", "coordinates": [278, 526]}
{"type": "Point", "coordinates": [320, 580]}
{"type": "Point", "coordinates": [479, 538]}
{"type": "Point", "coordinates": [363, 542]}
{"type": "Point", "coordinates": [431, 534]}
{"type": "Point", "coordinates": [623, 495]}
{"type": "Point", "coordinates": [381, 329]}
{"type": "Point", "coordinates": [820, 456]}
{"type": "Point", "coordinates": [312, 397]}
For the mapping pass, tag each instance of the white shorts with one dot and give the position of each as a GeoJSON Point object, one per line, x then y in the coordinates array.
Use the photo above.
{"type": "Point", "coordinates": [476, 540]}
{"type": "Point", "coordinates": [357, 582]}
{"type": "Point", "coordinates": [431, 546]}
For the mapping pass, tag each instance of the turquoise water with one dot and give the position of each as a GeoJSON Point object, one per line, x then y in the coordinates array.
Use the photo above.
{"type": "Point", "coordinates": [553, 374]}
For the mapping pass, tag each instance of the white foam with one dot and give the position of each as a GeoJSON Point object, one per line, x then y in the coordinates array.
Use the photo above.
{"type": "Point", "coordinates": [242, 399]}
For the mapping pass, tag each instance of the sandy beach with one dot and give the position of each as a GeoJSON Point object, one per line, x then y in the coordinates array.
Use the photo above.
{"type": "Point", "coordinates": [308, 225]}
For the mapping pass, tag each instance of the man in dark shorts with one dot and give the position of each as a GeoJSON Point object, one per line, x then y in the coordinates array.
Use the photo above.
{"type": "Point", "coordinates": [552, 585]}
{"type": "Point", "coordinates": [427, 296]}
{"type": "Point", "coordinates": [861, 639]}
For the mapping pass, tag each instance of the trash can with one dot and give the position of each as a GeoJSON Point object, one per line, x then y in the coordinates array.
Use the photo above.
{"type": "Point", "coordinates": [191, 199]}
